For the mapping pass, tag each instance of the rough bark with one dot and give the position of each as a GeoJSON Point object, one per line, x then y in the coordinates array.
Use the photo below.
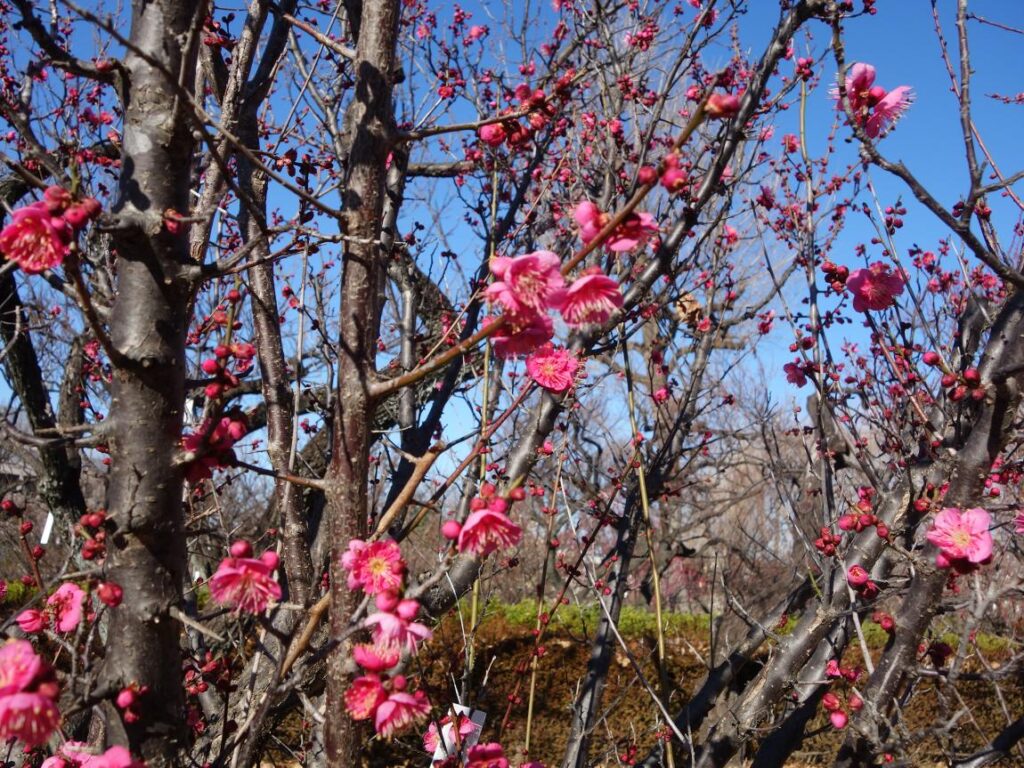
{"type": "Point", "coordinates": [368, 127]}
{"type": "Point", "coordinates": [149, 321]}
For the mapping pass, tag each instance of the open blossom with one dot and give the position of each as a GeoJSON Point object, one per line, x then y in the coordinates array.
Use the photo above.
{"type": "Point", "coordinates": [400, 710]}
{"type": "Point", "coordinates": [32, 620]}
{"type": "Point", "coordinates": [522, 334]}
{"type": "Point", "coordinates": [66, 604]}
{"type": "Point", "coordinates": [962, 537]}
{"type": "Point", "coordinates": [636, 229]}
{"type": "Point", "coordinates": [364, 696]}
{"type": "Point", "coordinates": [76, 754]}
{"type": "Point", "coordinates": [246, 584]}
{"type": "Point", "coordinates": [487, 530]}
{"type": "Point", "coordinates": [398, 628]}
{"type": "Point", "coordinates": [591, 299]}
{"type": "Point", "coordinates": [36, 239]}
{"type": "Point", "coordinates": [28, 694]}
{"type": "Point", "coordinates": [467, 728]}
{"type": "Point", "coordinates": [875, 287]}
{"type": "Point", "coordinates": [553, 368]}
{"type": "Point", "coordinates": [375, 567]}
{"type": "Point", "coordinates": [527, 284]}
{"type": "Point", "coordinates": [874, 107]}
{"type": "Point", "coordinates": [795, 374]}
{"type": "Point", "coordinates": [376, 657]}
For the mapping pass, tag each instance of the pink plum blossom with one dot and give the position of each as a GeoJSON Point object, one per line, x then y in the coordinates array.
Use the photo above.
{"type": "Point", "coordinates": [364, 696]}
{"type": "Point", "coordinates": [872, 106]}
{"type": "Point", "coordinates": [591, 298]}
{"type": "Point", "coordinates": [962, 537]}
{"type": "Point", "coordinates": [527, 284]}
{"type": "Point", "coordinates": [487, 530]}
{"type": "Point", "coordinates": [522, 334]}
{"type": "Point", "coordinates": [400, 710]}
{"type": "Point", "coordinates": [246, 584]}
{"type": "Point", "coordinates": [634, 230]}
{"type": "Point", "coordinates": [376, 657]}
{"type": "Point", "coordinates": [467, 728]}
{"type": "Point", "coordinates": [398, 628]}
{"type": "Point", "coordinates": [28, 695]}
{"type": "Point", "coordinates": [795, 374]}
{"type": "Point", "coordinates": [66, 604]}
{"type": "Point", "coordinates": [374, 567]}
{"type": "Point", "coordinates": [36, 238]}
{"type": "Point", "coordinates": [553, 368]}
{"type": "Point", "coordinates": [875, 287]}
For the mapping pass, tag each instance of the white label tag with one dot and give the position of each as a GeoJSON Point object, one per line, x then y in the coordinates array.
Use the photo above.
{"type": "Point", "coordinates": [47, 529]}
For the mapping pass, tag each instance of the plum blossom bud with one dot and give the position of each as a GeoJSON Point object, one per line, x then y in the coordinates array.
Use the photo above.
{"type": "Point", "coordinates": [857, 576]}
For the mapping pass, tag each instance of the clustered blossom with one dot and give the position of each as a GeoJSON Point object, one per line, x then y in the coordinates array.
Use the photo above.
{"type": "Point", "coordinates": [374, 567]}
{"type": "Point", "coordinates": [833, 703]}
{"type": "Point", "coordinates": [76, 754]}
{"type": "Point", "coordinates": [873, 107]}
{"type": "Point", "coordinates": [553, 368]}
{"type": "Point", "coordinates": [40, 234]}
{"type": "Point", "coordinates": [63, 608]}
{"type": "Point", "coordinates": [875, 287]}
{"type": "Point", "coordinates": [962, 537]}
{"type": "Point", "coordinates": [245, 583]}
{"type": "Point", "coordinates": [210, 446]}
{"type": "Point", "coordinates": [527, 286]}
{"type": "Point", "coordinates": [377, 568]}
{"type": "Point", "coordinates": [635, 230]}
{"type": "Point", "coordinates": [488, 527]}
{"type": "Point", "coordinates": [28, 695]}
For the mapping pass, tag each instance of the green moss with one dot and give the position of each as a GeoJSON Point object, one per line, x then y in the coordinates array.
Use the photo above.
{"type": "Point", "coordinates": [634, 621]}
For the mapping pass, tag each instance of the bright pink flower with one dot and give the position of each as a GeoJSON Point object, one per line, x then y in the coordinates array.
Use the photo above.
{"type": "Point", "coordinates": [76, 754]}
{"type": "Point", "coordinates": [875, 287]}
{"type": "Point", "coordinates": [28, 694]}
{"type": "Point", "coordinates": [591, 299]}
{"type": "Point", "coordinates": [30, 717]}
{"type": "Point", "coordinates": [888, 110]}
{"type": "Point", "coordinates": [493, 134]}
{"type": "Point", "coordinates": [398, 628]}
{"type": "Point", "coordinates": [522, 334]}
{"type": "Point", "coordinates": [376, 657]}
{"type": "Point", "coordinates": [466, 729]}
{"type": "Point", "coordinates": [36, 239]}
{"type": "Point", "coordinates": [486, 756]}
{"type": "Point", "coordinates": [246, 584]}
{"type": "Point", "coordinates": [32, 620]}
{"type": "Point", "coordinates": [722, 105]}
{"type": "Point", "coordinates": [19, 666]}
{"type": "Point", "coordinates": [795, 374]}
{"type": "Point", "coordinates": [375, 567]}
{"type": "Point", "coordinates": [637, 228]}
{"type": "Point", "coordinates": [527, 284]}
{"type": "Point", "coordinates": [1018, 522]}
{"type": "Point", "coordinates": [400, 710]}
{"type": "Point", "coordinates": [487, 530]}
{"type": "Point", "coordinates": [857, 577]}
{"type": "Point", "coordinates": [66, 604]}
{"type": "Point", "coordinates": [839, 719]}
{"type": "Point", "coordinates": [364, 696]}
{"type": "Point", "coordinates": [872, 106]}
{"type": "Point", "coordinates": [962, 538]}
{"type": "Point", "coordinates": [553, 368]}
